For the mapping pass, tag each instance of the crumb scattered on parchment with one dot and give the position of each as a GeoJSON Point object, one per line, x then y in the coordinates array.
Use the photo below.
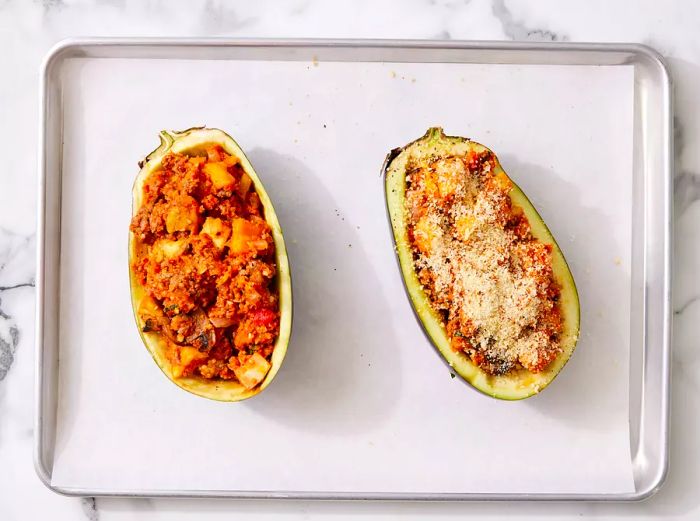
{"type": "Point", "coordinates": [393, 74]}
{"type": "Point", "coordinates": [314, 60]}
{"type": "Point", "coordinates": [617, 261]}
{"type": "Point", "coordinates": [413, 80]}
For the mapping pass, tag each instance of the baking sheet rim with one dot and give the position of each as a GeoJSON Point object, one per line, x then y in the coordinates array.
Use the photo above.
{"type": "Point", "coordinates": [58, 52]}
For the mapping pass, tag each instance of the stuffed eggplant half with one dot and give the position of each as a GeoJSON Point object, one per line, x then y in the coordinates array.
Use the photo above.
{"type": "Point", "coordinates": [484, 275]}
{"type": "Point", "coordinates": [210, 280]}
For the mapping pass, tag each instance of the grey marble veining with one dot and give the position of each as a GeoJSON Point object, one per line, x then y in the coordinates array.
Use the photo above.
{"type": "Point", "coordinates": [8, 345]}
{"type": "Point", "coordinates": [517, 30]}
{"type": "Point", "coordinates": [28, 29]}
{"type": "Point", "coordinates": [16, 272]}
{"type": "Point", "coordinates": [90, 509]}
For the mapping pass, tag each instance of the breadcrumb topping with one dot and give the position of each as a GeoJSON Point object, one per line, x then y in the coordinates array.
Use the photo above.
{"type": "Point", "coordinates": [483, 271]}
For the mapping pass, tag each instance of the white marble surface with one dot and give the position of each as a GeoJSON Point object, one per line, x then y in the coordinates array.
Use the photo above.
{"type": "Point", "coordinates": [28, 29]}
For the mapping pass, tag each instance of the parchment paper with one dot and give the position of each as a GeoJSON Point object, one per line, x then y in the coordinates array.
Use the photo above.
{"type": "Point", "coordinates": [362, 403]}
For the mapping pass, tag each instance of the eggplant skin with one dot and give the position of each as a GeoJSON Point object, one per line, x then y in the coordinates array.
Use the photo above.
{"type": "Point", "coordinates": [191, 141]}
{"type": "Point", "coordinates": [515, 385]}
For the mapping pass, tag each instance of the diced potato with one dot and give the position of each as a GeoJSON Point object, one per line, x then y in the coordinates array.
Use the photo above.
{"type": "Point", "coordinates": [431, 186]}
{"type": "Point", "coordinates": [219, 175]}
{"type": "Point", "coordinates": [253, 371]}
{"type": "Point", "coordinates": [149, 306]}
{"type": "Point", "coordinates": [424, 233]}
{"type": "Point", "coordinates": [230, 160]}
{"type": "Point", "coordinates": [465, 226]}
{"type": "Point", "coordinates": [217, 230]}
{"type": "Point", "coordinates": [197, 160]}
{"type": "Point", "coordinates": [187, 356]}
{"type": "Point", "coordinates": [190, 354]}
{"type": "Point", "coordinates": [243, 235]}
{"type": "Point", "coordinates": [168, 249]}
{"type": "Point", "coordinates": [244, 185]}
{"type": "Point", "coordinates": [503, 182]}
{"type": "Point", "coordinates": [447, 186]}
{"type": "Point", "coordinates": [181, 217]}
{"type": "Point", "coordinates": [448, 173]}
{"type": "Point", "coordinates": [213, 153]}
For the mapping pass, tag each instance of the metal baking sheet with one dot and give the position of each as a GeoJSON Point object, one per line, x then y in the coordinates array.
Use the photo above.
{"type": "Point", "coordinates": [650, 246]}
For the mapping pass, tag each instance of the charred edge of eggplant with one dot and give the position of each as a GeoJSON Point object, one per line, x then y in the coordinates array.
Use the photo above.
{"type": "Point", "coordinates": [388, 159]}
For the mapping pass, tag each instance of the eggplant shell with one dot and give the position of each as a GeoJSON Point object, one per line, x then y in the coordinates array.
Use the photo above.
{"type": "Point", "coordinates": [515, 385]}
{"type": "Point", "coordinates": [194, 141]}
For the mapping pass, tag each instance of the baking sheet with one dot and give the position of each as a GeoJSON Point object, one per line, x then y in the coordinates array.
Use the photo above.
{"type": "Point", "coordinates": [362, 403]}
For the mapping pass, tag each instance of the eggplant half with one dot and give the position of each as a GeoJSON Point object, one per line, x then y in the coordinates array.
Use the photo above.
{"type": "Point", "coordinates": [194, 142]}
{"type": "Point", "coordinates": [515, 384]}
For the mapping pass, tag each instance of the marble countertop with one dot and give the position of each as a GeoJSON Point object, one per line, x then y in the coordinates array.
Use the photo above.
{"type": "Point", "coordinates": [29, 29]}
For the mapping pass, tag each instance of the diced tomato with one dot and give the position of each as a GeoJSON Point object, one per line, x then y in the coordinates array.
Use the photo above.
{"type": "Point", "coordinates": [264, 317]}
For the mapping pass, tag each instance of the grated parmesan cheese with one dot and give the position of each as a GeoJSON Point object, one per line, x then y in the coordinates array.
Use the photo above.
{"type": "Point", "coordinates": [480, 266]}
